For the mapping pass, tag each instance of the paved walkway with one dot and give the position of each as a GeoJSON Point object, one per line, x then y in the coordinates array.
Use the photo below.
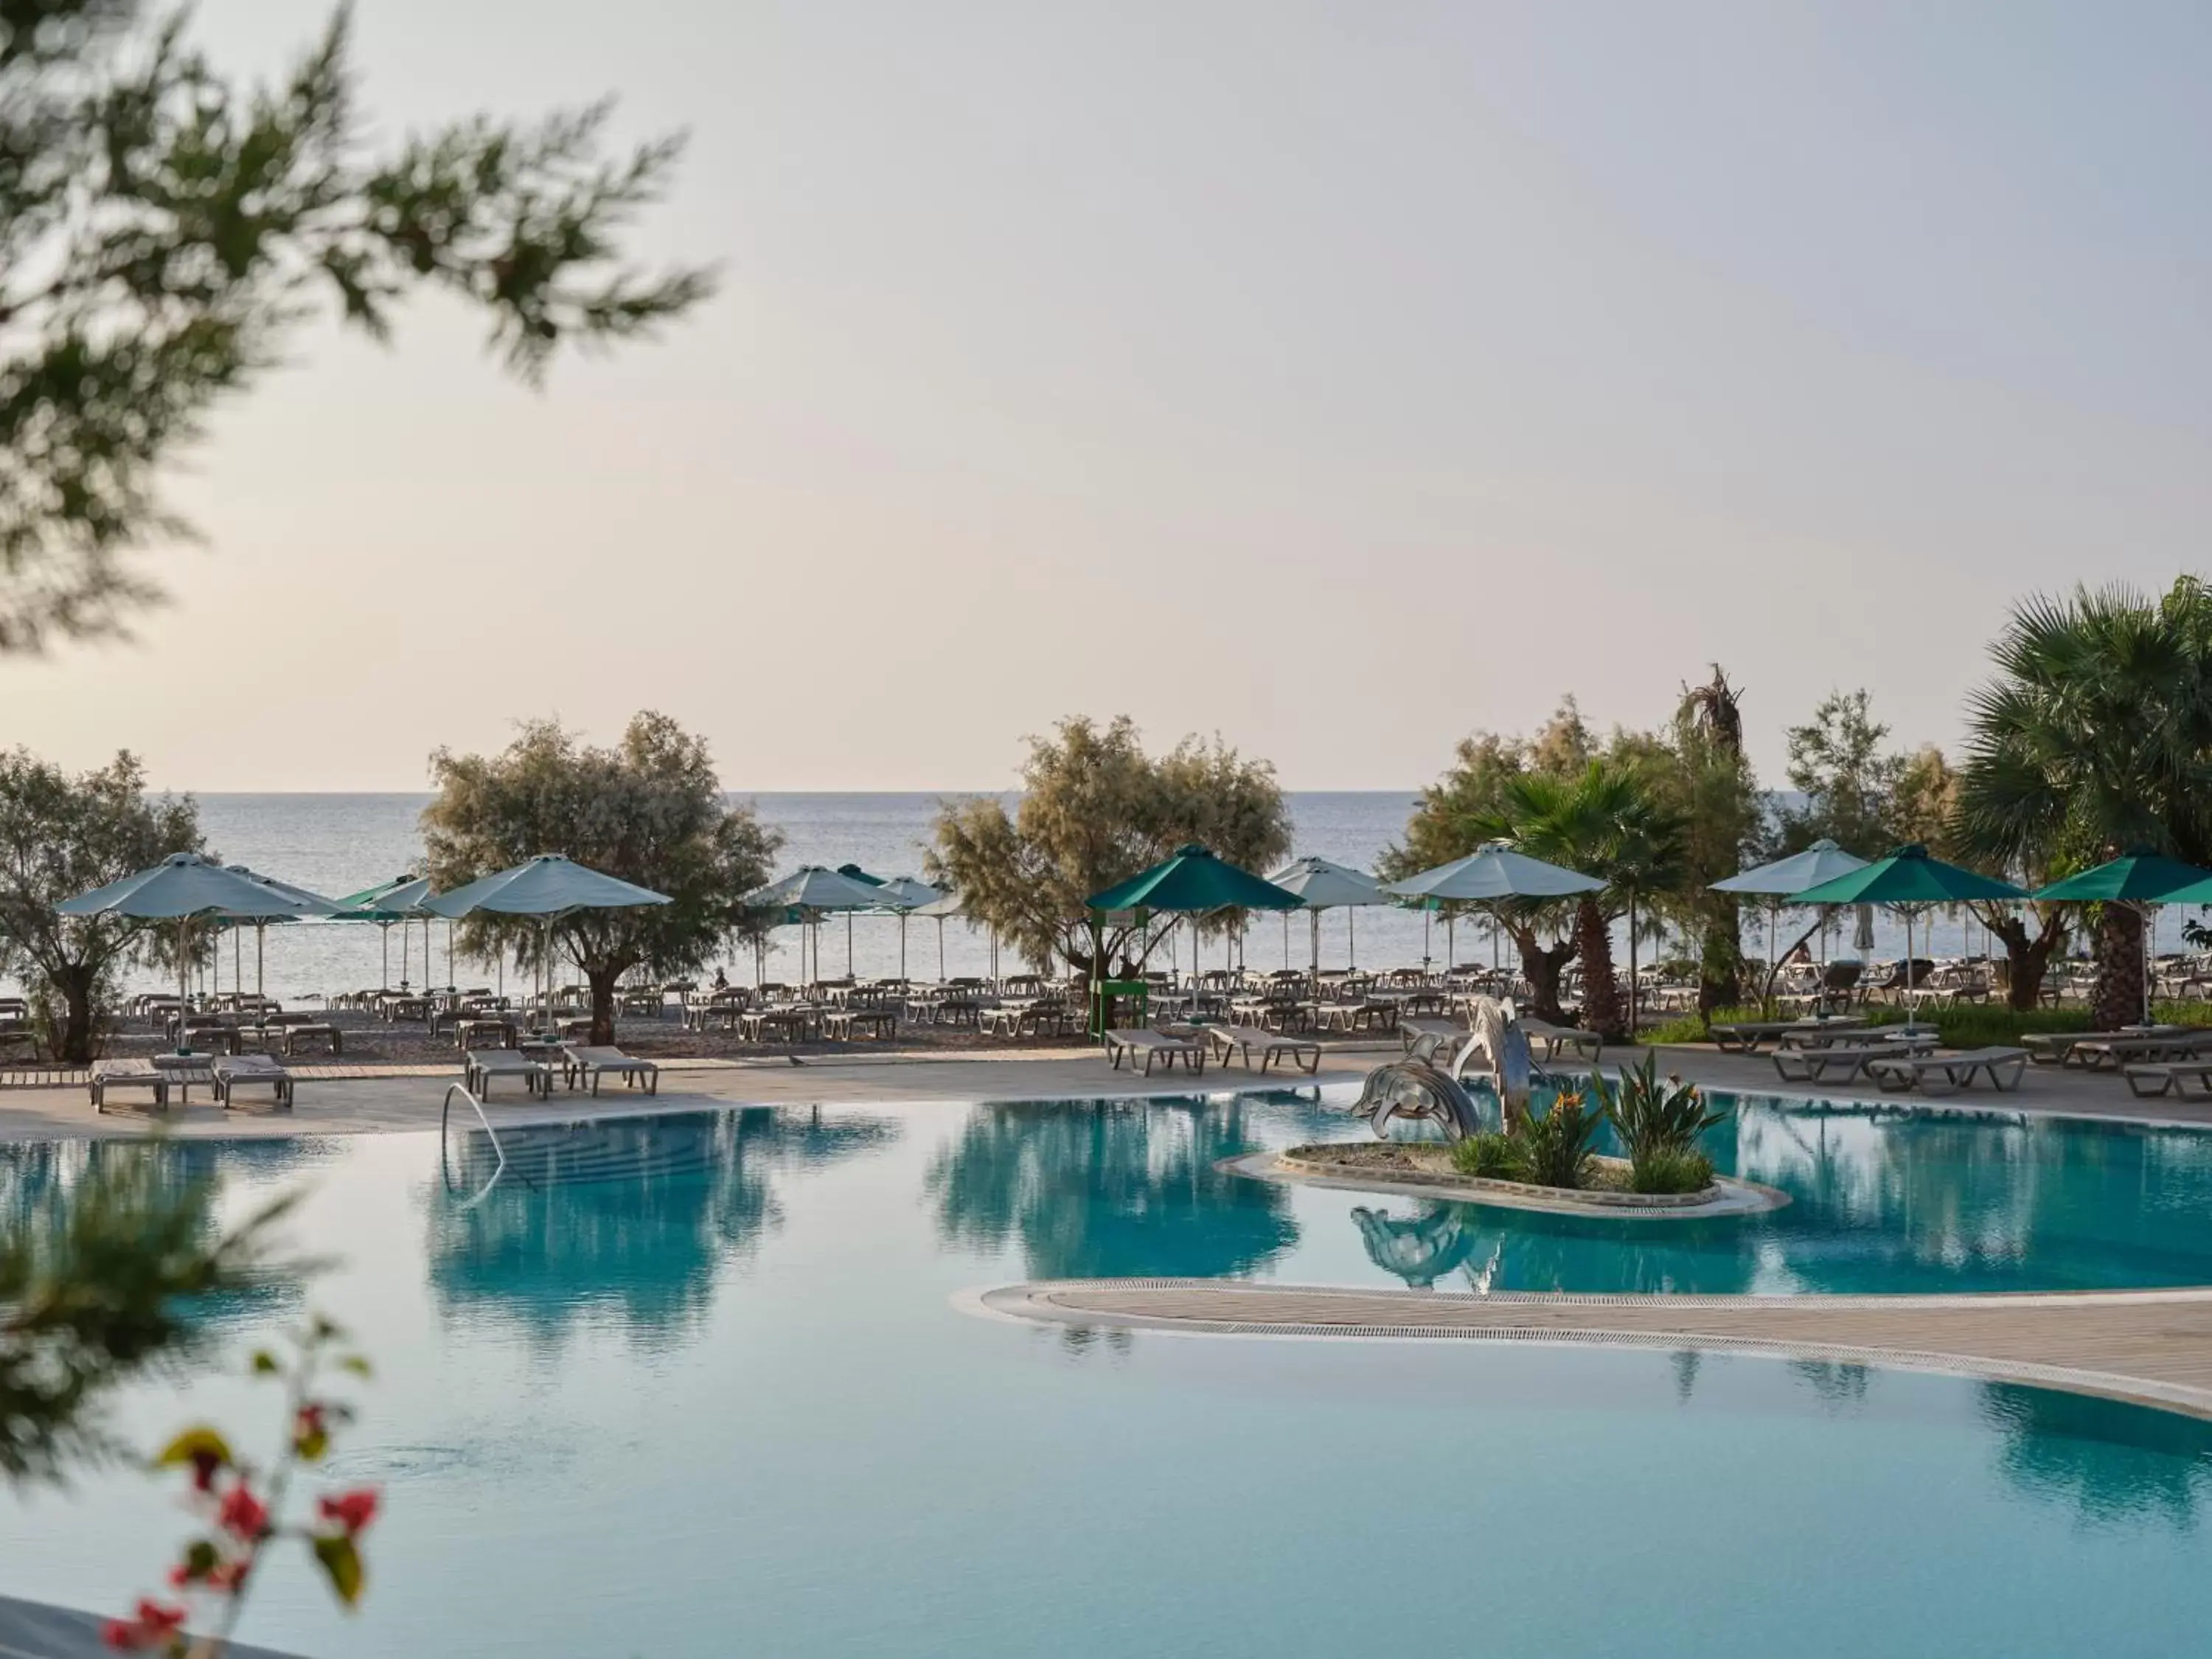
{"type": "Point", "coordinates": [2152, 1348]}
{"type": "Point", "coordinates": [341, 1099]}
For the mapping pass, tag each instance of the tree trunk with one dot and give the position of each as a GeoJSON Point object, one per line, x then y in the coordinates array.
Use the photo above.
{"type": "Point", "coordinates": [74, 1041]}
{"type": "Point", "coordinates": [1542, 966]}
{"type": "Point", "coordinates": [1720, 960]}
{"type": "Point", "coordinates": [602, 982]}
{"type": "Point", "coordinates": [1633, 965]}
{"type": "Point", "coordinates": [2118, 1000]}
{"type": "Point", "coordinates": [2027, 957]}
{"type": "Point", "coordinates": [1601, 987]}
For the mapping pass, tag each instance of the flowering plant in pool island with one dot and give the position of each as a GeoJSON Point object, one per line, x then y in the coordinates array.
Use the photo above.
{"type": "Point", "coordinates": [1658, 1123]}
{"type": "Point", "coordinates": [244, 1509]}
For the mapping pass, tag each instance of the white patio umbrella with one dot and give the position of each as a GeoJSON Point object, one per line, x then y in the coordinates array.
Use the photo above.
{"type": "Point", "coordinates": [937, 910]}
{"type": "Point", "coordinates": [1322, 884]}
{"type": "Point", "coordinates": [1822, 861]}
{"type": "Point", "coordinates": [813, 892]}
{"type": "Point", "coordinates": [181, 887]}
{"type": "Point", "coordinates": [548, 887]}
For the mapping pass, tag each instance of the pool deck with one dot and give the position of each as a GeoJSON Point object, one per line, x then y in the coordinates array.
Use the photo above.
{"type": "Point", "coordinates": [340, 1099]}
{"type": "Point", "coordinates": [2149, 1347]}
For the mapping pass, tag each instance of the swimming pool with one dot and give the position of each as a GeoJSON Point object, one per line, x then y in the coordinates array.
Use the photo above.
{"type": "Point", "coordinates": [695, 1385]}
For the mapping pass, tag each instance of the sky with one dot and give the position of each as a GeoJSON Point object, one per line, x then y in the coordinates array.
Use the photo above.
{"type": "Point", "coordinates": [1339, 378]}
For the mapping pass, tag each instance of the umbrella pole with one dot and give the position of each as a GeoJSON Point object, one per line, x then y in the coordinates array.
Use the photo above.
{"type": "Point", "coordinates": [848, 945]}
{"type": "Point", "coordinates": [1425, 939]}
{"type": "Point", "coordinates": [941, 949]}
{"type": "Point", "coordinates": [260, 937]}
{"type": "Point", "coordinates": [1351, 938]}
{"type": "Point", "coordinates": [1286, 938]}
{"type": "Point", "coordinates": [184, 928]}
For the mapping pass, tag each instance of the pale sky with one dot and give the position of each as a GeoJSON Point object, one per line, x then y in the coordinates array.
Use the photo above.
{"type": "Point", "coordinates": [1340, 378]}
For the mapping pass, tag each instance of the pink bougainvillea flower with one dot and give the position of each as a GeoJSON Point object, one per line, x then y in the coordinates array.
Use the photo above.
{"type": "Point", "coordinates": [151, 1626]}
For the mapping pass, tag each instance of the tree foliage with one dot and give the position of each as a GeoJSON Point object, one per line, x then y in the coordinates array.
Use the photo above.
{"type": "Point", "coordinates": [650, 810]}
{"type": "Point", "coordinates": [165, 230]}
{"type": "Point", "coordinates": [60, 835]}
{"type": "Point", "coordinates": [1841, 766]}
{"type": "Point", "coordinates": [1096, 810]}
{"type": "Point", "coordinates": [1715, 793]}
{"type": "Point", "coordinates": [98, 1279]}
{"type": "Point", "coordinates": [2095, 735]}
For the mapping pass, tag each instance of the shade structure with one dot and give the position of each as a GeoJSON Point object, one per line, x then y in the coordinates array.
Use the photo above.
{"type": "Point", "coordinates": [547, 887]}
{"type": "Point", "coordinates": [387, 905]}
{"type": "Point", "coordinates": [1492, 875]}
{"type": "Point", "coordinates": [1193, 881]}
{"type": "Point", "coordinates": [181, 887]}
{"type": "Point", "coordinates": [811, 892]}
{"type": "Point", "coordinates": [1908, 880]}
{"type": "Point", "coordinates": [1322, 884]}
{"type": "Point", "coordinates": [1909, 876]}
{"type": "Point", "coordinates": [904, 896]}
{"type": "Point", "coordinates": [318, 907]}
{"type": "Point", "coordinates": [2139, 879]}
{"type": "Point", "coordinates": [1823, 861]}
{"type": "Point", "coordinates": [2138, 876]}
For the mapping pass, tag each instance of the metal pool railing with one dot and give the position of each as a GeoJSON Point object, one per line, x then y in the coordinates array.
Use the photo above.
{"type": "Point", "coordinates": [445, 1141]}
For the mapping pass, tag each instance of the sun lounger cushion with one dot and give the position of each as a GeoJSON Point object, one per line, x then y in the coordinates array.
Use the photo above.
{"type": "Point", "coordinates": [596, 1062]}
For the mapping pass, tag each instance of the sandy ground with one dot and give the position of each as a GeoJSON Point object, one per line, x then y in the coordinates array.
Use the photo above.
{"type": "Point", "coordinates": [349, 1099]}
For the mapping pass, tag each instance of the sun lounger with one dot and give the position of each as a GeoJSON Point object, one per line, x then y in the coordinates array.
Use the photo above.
{"type": "Point", "coordinates": [2110, 1053]}
{"type": "Point", "coordinates": [1154, 1046]}
{"type": "Point", "coordinates": [480, 1066]}
{"type": "Point", "coordinates": [2004, 1068]}
{"type": "Point", "coordinates": [236, 1072]}
{"type": "Point", "coordinates": [1231, 1041]}
{"type": "Point", "coordinates": [583, 1060]}
{"type": "Point", "coordinates": [1844, 1062]}
{"type": "Point", "coordinates": [110, 1076]}
{"type": "Point", "coordinates": [1749, 1036]}
{"type": "Point", "coordinates": [2056, 1048]}
{"type": "Point", "coordinates": [1554, 1039]}
{"type": "Point", "coordinates": [2168, 1077]}
{"type": "Point", "coordinates": [1433, 1039]}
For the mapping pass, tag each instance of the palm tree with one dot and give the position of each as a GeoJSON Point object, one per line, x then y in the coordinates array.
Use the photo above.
{"type": "Point", "coordinates": [2096, 735]}
{"type": "Point", "coordinates": [1605, 822]}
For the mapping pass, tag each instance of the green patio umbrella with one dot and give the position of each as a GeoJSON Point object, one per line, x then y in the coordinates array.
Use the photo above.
{"type": "Point", "coordinates": [1909, 881]}
{"type": "Point", "coordinates": [2138, 878]}
{"type": "Point", "coordinates": [1194, 882]}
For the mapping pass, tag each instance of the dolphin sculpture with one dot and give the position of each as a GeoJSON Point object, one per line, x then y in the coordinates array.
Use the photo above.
{"type": "Point", "coordinates": [1496, 1046]}
{"type": "Point", "coordinates": [1415, 1090]}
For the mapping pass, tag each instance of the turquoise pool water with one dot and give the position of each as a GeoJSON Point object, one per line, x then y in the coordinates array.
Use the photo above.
{"type": "Point", "coordinates": [695, 1386]}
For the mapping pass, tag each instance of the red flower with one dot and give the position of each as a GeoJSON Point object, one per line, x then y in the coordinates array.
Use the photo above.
{"type": "Point", "coordinates": [352, 1511]}
{"type": "Point", "coordinates": [152, 1627]}
{"type": "Point", "coordinates": [204, 1465]}
{"type": "Point", "coordinates": [243, 1514]}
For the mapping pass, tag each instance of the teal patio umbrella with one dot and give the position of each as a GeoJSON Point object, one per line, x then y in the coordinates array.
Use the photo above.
{"type": "Point", "coordinates": [180, 888]}
{"type": "Point", "coordinates": [549, 888]}
{"type": "Point", "coordinates": [1909, 881]}
{"type": "Point", "coordinates": [1194, 882]}
{"type": "Point", "coordinates": [1493, 876]}
{"type": "Point", "coordinates": [2138, 878]}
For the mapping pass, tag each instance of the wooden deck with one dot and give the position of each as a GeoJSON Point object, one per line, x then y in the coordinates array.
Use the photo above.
{"type": "Point", "coordinates": [2153, 1347]}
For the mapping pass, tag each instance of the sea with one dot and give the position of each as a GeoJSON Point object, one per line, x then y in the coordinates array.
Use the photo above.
{"type": "Point", "coordinates": [337, 844]}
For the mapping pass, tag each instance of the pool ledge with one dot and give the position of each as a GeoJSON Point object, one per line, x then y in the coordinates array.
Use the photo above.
{"type": "Point", "coordinates": [1733, 1197]}
{"type": "Point", "coordinates": [2146, 1347]}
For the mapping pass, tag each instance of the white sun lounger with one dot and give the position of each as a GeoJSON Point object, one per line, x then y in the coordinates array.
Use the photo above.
{"type": "Point", "coordinates": [587, 1060]}
{"type": "Point", "coordinates": [1231, 1041]}
{"type": "Point", "coordinates": [480, 1066]}
{"type": "Point", "coordinates": [236, 1072]}
{"type": "Point", "coordinates": [1152, 1046]}
{"type": "Point", "coordinates": [1843, 1063]}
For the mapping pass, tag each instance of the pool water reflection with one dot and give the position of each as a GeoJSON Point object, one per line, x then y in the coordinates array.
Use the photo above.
{"type": "Point", "coordinates": [694, 1385]}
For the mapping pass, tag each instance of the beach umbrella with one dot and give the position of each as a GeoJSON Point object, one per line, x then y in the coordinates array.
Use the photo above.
{"type": "Point", "coordinates": [1192, 883]}
{"type": "Point", "coordinates": [317, 906]}
{"type": "Point", "coordinates": [1322, 886]}
{"type": "Point", "coordinates": [1823, 861]}
{"type": "Point", "coordinates": [547, 887]}
{"type": "Point", "coordinates": [811, 892]}
{"type": "Point", "coordinates": [853, 872]}
{"type": "Point", "coordinates": [2138, 878]}
{"type": "Point", "coordinates": [1493, 875]}
{"type": "Point", "coordinates": [369, 905]}
{"type": "Point", "coordinates": [936, 911]}
{"type": "Point", "coordinates": [904, 896]}
{"type": "Point", "coordinates": [181, 887]}
{"type": "Point", "coordinates": [1909, 881]}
